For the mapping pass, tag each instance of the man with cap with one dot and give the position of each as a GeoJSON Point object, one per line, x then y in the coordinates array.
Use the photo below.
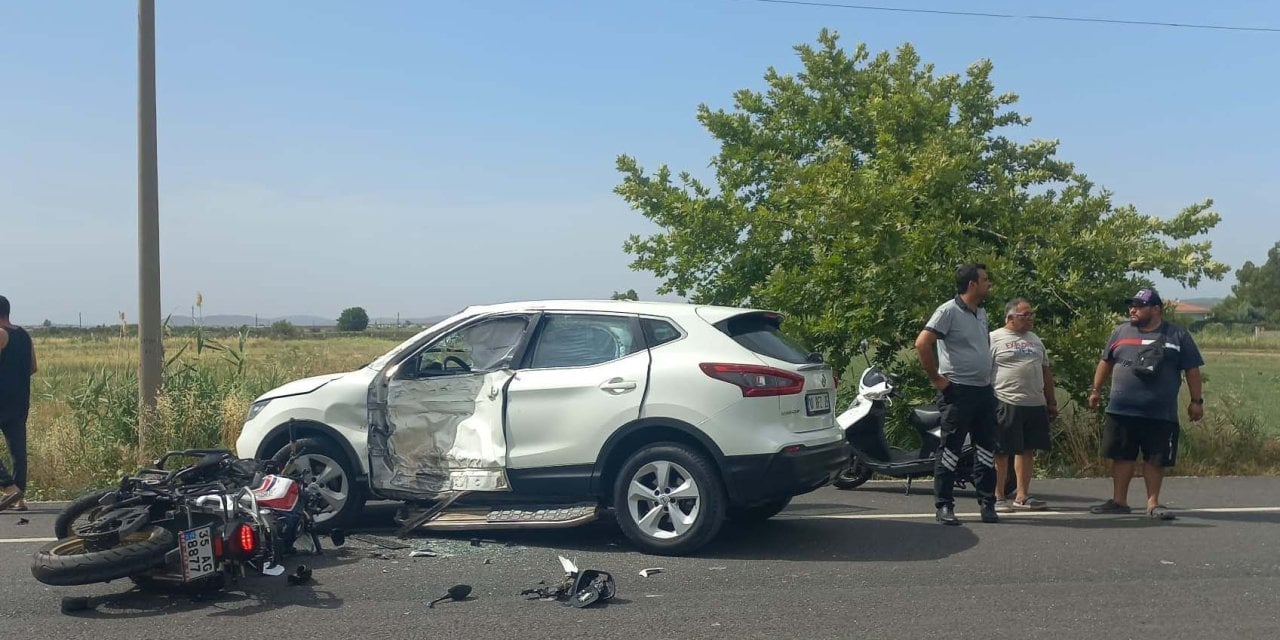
{"type": "Point", "coordinates": [1146, 360]}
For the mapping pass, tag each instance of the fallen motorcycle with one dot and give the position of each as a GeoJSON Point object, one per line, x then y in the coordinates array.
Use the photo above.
{"type": "Point", "coordinates": [199, 526]}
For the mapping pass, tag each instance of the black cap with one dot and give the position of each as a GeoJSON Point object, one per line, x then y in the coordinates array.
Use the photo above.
{"type": "Point", "coordinates": [1146, 297]}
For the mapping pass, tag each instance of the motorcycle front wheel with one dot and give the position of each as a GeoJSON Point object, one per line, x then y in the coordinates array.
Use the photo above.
{"type": "Point", "coordinates": [67, 562]}
{"type": "Point", "coordinates": [852, 475]}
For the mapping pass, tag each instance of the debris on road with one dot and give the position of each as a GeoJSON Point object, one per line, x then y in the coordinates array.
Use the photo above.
{"type": "Point", "coordinates": [72, 604]}
{"type": "Point", "coordinates": [379, 542]}
{"type": "Point", "coordinates": [300, 575]}
{"type": "Point", "coordinates": [456, 592]}
{"type": "Point", "coordinates": [581, 587]}
{"type": "Point", "coordinates": [645, 573]}
{"type": "Point", "coordinates": [22, 521]}
{"type": "Point", "coordinates": [423, 553]}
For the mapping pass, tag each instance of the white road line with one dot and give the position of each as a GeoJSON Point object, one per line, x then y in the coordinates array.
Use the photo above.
{"type": "Point", "coordinates": [21, 540]}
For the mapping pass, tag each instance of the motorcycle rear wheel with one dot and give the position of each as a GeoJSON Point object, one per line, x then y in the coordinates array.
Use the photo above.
{"type": "Point", "coordinates": [85, 505]}
{"type": "Point", "coordinates": [66, 562]}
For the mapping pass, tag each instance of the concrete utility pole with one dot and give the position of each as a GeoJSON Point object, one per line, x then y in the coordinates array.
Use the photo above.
{"type": "Point", "coordinates": [151, 349]}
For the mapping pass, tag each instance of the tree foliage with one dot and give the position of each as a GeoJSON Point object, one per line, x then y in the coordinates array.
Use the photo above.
{"type": "Point", "coordinates": [353, 319]}
{"type": "Point", "coordinates": [846, 194]}
{"type": "Point", "coordinates": [1257, 288]}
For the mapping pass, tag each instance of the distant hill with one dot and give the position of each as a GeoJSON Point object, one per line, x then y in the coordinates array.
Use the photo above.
{"type": "Point", "coordinates": [235, 320]}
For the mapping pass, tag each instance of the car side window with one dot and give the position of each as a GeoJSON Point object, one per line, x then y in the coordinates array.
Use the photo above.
{"type": "Point", "coordinates": [658, 332]}
{"type": "Point", "coordinates": [482, 346]}
{"type": "Point", "coordinates": [570, 340]}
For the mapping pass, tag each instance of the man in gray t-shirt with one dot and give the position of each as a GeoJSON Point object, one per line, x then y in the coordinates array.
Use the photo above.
{"type": "Point", "coordinates": [961, 372]}
{"type": "Point", "coordinates": [1025, 402]}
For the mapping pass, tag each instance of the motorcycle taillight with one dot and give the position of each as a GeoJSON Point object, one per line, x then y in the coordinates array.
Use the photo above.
{"type": "Point", "coordinates": [246, 540]}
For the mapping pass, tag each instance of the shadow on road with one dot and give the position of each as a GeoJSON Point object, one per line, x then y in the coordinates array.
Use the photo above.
{"type": "Point", "coordinates": [815, 540]}
{"type": "Point", "coordinates": [253, 595]}
{"type": "Point", "coordinates": [925, 488]}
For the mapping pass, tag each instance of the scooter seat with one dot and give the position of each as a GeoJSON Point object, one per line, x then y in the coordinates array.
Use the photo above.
{"type": "Point", "coordinates": [926, 417]}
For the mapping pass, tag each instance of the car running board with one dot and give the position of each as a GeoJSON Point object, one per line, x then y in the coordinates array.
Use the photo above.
{"type": "Point", "coordinates": [530, 517]}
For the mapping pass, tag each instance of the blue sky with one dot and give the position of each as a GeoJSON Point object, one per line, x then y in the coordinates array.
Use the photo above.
{"type": "Point", "coordinates": [415, 157]}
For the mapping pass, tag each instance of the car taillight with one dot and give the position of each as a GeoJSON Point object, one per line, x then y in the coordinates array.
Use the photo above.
{"type": "Point", "coordinates": [755, 380]}
{"type": "Point", "coordinates": [217, 546]}
{"type": "Point", "coordinates": [246, 540]}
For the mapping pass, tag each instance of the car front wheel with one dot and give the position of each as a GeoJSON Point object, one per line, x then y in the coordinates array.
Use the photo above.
{"type": "Point", "coordinates": [322, 463]}
{"type": "Point", "coordinates": [669, 499]}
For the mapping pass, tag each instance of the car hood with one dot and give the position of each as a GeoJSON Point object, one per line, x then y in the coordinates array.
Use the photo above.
{"type": "Point", "coordinates": [300, 387]}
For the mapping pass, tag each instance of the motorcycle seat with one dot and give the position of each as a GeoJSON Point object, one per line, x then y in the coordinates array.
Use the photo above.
{"type": "Point", "coordinates": [926, 417]}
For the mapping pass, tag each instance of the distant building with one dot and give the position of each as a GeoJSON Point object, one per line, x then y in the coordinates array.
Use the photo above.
{"type": "Point", "coordinates": [1192, 312]}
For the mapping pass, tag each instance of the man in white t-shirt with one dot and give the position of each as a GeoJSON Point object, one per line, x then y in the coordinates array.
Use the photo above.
{"type": "Point", "coordinates": [1025, 402]}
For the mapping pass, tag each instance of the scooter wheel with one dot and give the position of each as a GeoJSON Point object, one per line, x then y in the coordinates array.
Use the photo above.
{"type": "Point", "coordinates": [853, 475]}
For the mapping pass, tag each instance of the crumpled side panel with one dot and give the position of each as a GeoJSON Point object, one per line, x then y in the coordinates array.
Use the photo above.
{"type": "Point", "coordinates": [444, 434]}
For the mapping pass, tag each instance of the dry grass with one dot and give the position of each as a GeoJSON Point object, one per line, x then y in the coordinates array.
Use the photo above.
{"type": "Point", "coordinates": [83, 424]}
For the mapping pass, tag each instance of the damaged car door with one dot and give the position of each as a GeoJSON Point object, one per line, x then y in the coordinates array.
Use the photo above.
{"type": "Point", "coordinates": [436, 417]}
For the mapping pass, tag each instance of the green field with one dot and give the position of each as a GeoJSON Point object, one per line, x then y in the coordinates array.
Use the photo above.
{"type": "Point", "coordinates": [1245, 384]}
{"type": "Point", "coordinates": [83, 426]}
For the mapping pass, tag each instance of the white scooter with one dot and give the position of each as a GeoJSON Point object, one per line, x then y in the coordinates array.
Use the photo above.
{"type": "Point", "coordinates": [863, 425]}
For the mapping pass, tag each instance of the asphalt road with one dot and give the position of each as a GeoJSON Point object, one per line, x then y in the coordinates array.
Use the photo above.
{"type": "Point", "coordinates": [868, 563]}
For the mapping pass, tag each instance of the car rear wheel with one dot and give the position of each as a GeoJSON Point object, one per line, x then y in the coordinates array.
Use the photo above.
{"type": "Point", "coordinates": [669, 499]}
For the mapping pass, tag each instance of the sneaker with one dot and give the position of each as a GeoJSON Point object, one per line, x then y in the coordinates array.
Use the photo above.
{"type": "Point", "coordinates": [947, 515]}
{"type": "Point", "coordinates": [989, 514]}
{"type": "Point", "coordinates": [1002, 506]}
{"type": "Point", "coordinates": [1110, 506]}
{"type": "Point", "coordinates": [1028, 504]}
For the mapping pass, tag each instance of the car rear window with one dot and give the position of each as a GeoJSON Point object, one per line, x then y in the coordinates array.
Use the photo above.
{"type": "Point", "coordinates": [658, 332]}
{"type": "Point", "coordinates": [762, 334]}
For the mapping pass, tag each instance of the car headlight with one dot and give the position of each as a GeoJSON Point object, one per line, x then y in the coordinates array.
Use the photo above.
{"type": "Point", "coordinates": [255, 409]}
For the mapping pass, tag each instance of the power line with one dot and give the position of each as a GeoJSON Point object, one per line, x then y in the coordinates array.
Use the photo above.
{"type": "Point", "coordinates": [1012, 16]}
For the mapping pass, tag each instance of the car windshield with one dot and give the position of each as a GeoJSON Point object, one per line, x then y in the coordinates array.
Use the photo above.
{"type": "Point", "coordinates": [381, 362]}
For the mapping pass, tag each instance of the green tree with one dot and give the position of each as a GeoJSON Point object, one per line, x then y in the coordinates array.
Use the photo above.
{"type": "Point", "coordinates": [845, 196]}
{"type": "Point", "coordinates": [629, 294]}
{"type": "Point", "coordinates": [1258, 286]}
{"type": "Point", "coordinates": [284, 329]}
{"type": "Point", "coordinates": [353, 319]}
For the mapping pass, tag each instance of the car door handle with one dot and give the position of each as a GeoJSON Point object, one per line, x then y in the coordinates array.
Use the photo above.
{"type": "Point", "coordinates": [618, 386]}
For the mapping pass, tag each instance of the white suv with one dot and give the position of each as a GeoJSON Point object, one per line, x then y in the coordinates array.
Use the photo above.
{"type": "Point", "coordinates": [542, 414]}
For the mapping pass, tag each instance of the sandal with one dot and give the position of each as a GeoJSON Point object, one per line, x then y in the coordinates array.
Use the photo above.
{"type": "Point", "coordinates": [1110, 507]}
{"type": "Point", "coordinates": [1029, 504]}
{"type": "Point", "coordinates": [1160, 512]}
{"type": "Point", "coordinates": [10, 499]}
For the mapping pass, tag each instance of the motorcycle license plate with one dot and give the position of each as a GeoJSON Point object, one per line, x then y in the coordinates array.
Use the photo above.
{"type": "Point", "coordinates": [197, 553]}
{"type": "Point", "coordinates": [817, 403]}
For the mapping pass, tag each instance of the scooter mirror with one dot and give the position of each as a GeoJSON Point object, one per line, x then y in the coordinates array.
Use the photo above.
{"type": "Point", "coordinates": [862, 346]}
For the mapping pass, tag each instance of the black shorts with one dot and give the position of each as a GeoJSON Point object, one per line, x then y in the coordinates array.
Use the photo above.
{"type": "Point", "coordinates": [1123, 436]}
{"type": "Point", "coordinates": [1021, 429]}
